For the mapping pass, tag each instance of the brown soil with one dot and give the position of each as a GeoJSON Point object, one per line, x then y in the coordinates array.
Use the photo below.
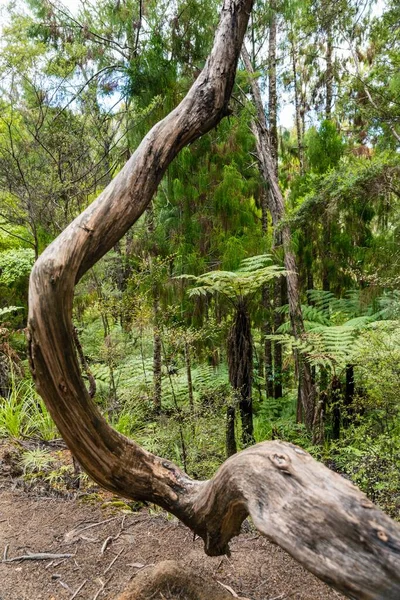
{"type": "Point", "coordinates": [109, 554]}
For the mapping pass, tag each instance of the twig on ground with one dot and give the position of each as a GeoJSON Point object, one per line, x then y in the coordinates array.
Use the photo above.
{"type": "Point", "coordinates": [39, 556]}
{"type": "Point", "coordinates": [78, 590]}
{"type": "Point", "coordinates": [65, 586]}
{"type": "Point", "coordinates": [113, 561]}
{"type": "Point", "coordinates": [114, 538]}
{"type": "Point", "coordinates": [60, 562]}
{"type": "Point", "coordinates": [71, 535]}
{"type": "Point", "coordinates": [97, 594]}
{"type": "Point", "coordinates": [103, 586]}
{"type": "Point", "coordinates": [121, 530]}
{"type": "Point", "coordinates": [107, 542]}
{"type": "Point", "coordinates": [232, 591]}
{"type": "Point", "coordinates": [5, 552]}
{"type": "Point", "coordinates": [228, 587]}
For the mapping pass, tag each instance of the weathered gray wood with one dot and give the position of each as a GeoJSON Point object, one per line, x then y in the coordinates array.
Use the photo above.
{"type": "Point", "coordinates": [318, 517]}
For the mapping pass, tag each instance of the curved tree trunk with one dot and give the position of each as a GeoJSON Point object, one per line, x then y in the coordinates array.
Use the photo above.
{"type": "Point", "coordinates": [318, 517]}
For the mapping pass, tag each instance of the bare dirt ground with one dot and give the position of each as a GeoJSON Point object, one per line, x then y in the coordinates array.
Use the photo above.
{"type": "Point", "coordinates": [109, 548]}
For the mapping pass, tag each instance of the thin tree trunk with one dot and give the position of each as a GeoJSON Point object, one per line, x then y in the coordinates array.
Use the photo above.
{"type": "Point", "coordinates": [188, 364]}
{"type": "Point", "coordinates": [230, 441]}
{"type": "Point", "coordinates": [277, 347]}
{"type": "Point", "coordinates": [349, 395]}
{"type": "Point", "coordinates": [266, 301]}
{"type": "Point", "coordinates": [273, 143]}
{"type": "Point", "coordinates": [272, 95]}
{"type": "Point", "coordinates": [157, 358]}
{"type": "Point", "coordinates": [329, 73]}
{"type": "Point", "coordinates": [267, 331]}
{"type": "Point", "coordinates": [335, 399]}
{"type": "Point", "coordinates": [259, 128]}
{"type": "Point", "coordinates": [297, 106]}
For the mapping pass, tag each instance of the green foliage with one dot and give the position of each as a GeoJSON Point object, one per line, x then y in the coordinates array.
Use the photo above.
{"type": "Point", "coordinates": [23, 413]}
{"type": "Point", "coordinates": [14, 411]}
{"type": "Point", "coordinates": [15, 266]}
{"type": "Point", "coordinates": [7, 310]}
{"type": "Point", "coordinates": [324, 147]}
{"type": "Point", "coordinates": [35, 461]}
{"type": "Point", "coordinates": [253, 273]}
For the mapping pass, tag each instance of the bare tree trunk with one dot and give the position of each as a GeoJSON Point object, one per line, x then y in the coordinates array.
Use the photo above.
{"type": "Point", "coordinates": [188, 364]}
{"type": "Point", "coordinates": [157, 358]}
{"type": "Point", "coordinates": [266, 301]}
{"type": "Point", "coordinates": [329, 73]}
{"type": "Point", "coordinates": [272, 96]}
{"type": "Point", "coordinates": [273, 142]}
{"type": "Point", "coordinates": [320, 518]}
{"type": "Point", "coordinates": [277, 208]}
{"type": "Point", "coordinates": [279, 300]}
{"type": "Point", "coordinates": [297, 106]}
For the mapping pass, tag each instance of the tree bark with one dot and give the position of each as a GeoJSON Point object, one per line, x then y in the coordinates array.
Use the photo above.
{"type": "Point", "coordinates": [318, 517]}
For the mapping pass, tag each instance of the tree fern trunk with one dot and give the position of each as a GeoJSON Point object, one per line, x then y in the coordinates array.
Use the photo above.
{"type": "Point", "coordinates": [240, 364]}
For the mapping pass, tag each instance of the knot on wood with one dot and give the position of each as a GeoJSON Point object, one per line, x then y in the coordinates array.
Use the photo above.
{"type": "Point", "coordinates": [382, 535]}
{"type": "Point", "coordinates": [281, 462]}
{"type": "Point", "coordinates": [62, 386]}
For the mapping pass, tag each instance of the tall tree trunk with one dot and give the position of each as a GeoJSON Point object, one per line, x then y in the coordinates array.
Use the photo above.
{"type": "Point", "coordinates": [267, 331]}
{"type": "Point", "coordinates": [297, 105]}
{"type": "Point", "coordinates": [240, 364]}
{"type": "Point", "coordinates": [272, 95]}
{"type": "Point", "coordinates": [280, 299]}
{"type": "Point", "coordinates": [188, 364]}
{"type": "Point", "coordinates": [266, 342]}
{"type": "Point", "coordinates": [349, 395]}
{"type": "Point", "coordinates": [157, 357]}
{"type": "Point", "coordinates": [259, 128]}
{"type": "Point", "coordinates": [273, 142]}
{"type": "Point", "coordinates": [329, 73]}
{"type": "Point", "coordinates": [335, 401]}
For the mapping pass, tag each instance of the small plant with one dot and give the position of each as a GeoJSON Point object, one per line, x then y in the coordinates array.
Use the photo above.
{"type": "Point", "coordinates": [40, 419]}
{"type": "Point", "coordinates": [14, 410]}
{"type": "Point", "coordinates": [36, 461]}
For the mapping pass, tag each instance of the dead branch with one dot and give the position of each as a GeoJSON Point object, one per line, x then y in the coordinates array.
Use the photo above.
{"type": "Point", "coordinates": [39, 556]}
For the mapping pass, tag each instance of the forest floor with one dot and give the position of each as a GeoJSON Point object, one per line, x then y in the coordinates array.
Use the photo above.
{"type": "Point", "coordinates": [110, 546]}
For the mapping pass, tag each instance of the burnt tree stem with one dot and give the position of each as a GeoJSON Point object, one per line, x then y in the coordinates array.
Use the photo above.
{"type": "Point", "coordinates": [318, 517]}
